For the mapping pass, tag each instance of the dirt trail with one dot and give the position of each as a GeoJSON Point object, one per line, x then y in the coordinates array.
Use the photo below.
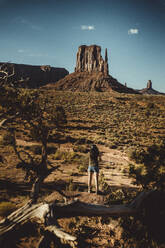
{"type": "Point", "coordinates": [114, 166]}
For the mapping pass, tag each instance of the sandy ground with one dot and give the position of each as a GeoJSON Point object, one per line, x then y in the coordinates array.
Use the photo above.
{"type": "Point", "coordinates": [113, 165]}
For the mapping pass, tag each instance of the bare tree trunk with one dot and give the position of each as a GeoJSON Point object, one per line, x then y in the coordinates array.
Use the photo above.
{"type": "Point", "coordinates": [36, 188]}
{"type": "Point", "coordinates": [51, 212]}
{"type": "Point", "coordinates": [44, 154]}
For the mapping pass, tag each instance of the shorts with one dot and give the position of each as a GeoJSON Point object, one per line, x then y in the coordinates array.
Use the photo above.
{"type": "Point", "coordinates": [93, 169]}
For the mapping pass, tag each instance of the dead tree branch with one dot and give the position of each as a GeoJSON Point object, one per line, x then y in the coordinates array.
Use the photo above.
{"type": "Point", "coordinates": [49, 213]}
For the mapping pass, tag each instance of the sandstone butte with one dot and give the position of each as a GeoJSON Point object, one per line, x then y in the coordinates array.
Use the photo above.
{"type": "Point", "coordinates": [91, 74]}
{"type": "Point", "coordinates": [149, 90]}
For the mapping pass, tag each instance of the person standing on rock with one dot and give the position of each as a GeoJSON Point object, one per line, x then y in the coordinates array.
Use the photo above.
{"type": "Point", "coordinates": [93, 167]}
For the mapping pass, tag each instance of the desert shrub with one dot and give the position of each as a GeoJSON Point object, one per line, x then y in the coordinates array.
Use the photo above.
{"type": "Point", "coordinates": [150, 105]}
{"type": "Point", "coordinates": [70, 185]}
{"type": "Point", "coordinates": [152, 174]}
{"type": "Point", "coordinates": [6, 208]}
{"type": "Point", "coordinates": [113, 146]}
{"type": "Point", "coordinates": [58, 155]}
{"type": "Point", "coordinates": [147, 113]}
{"type": "Point", "coordinates": [119, 195]}
{"type": "Point", "coordinates": [137, 155]}
{"type": "Point", "coordinates": [103, 184]}
{"type": "Point", "coordinates": [1, 159]}
{"type": "Point", "coordinates": [80, 148]}
{"type": "Point", "coordinates": [51, 149]}
{"type": "Point", "coordinates": [36, 149]}
{"type": "Point", "coordinates": [6, 139]}
{"type": "Point", "coordinates": [65, 155]}
{"type": "Point", "coordinates": [82, 168]}
{"type": "Point", "coordinates": [83, 162]}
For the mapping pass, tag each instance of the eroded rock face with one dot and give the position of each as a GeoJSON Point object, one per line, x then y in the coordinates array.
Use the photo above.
{"type": "Point", "coordinates": [31, 76]}
{"type": "Point", "coordinates": [149, 90]}
{"type": "Point", "coordinates": [149, 84]}
{"type": "Point", "coordinates": [89, 59]}
{"type": "Point", "coordinates": [90, 81]}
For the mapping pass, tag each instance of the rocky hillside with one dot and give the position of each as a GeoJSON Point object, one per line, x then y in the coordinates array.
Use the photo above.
{"type": "Point", "coordinates": [90, 81]}
{"type": "Point", "coordinates": [31, 76]}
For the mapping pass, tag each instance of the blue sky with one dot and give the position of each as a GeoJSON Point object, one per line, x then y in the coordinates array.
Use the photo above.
{"type": "Point", "coordinates": [49, 32]}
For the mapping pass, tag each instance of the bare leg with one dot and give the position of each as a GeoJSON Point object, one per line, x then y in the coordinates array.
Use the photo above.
{"type": "Point", "coordinates": [96, 182]}
{"type": "Point", "coordinates": [90, 174]}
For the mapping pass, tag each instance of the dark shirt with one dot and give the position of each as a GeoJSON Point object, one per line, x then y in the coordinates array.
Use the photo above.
{"type": "Point", "coordinates": [93, 156]}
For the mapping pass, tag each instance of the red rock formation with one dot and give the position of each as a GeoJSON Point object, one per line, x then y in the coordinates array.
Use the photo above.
{"type": "Point", "coordinates": [35, 76]}
{"type": "Point", "coordinates": [89, 81]}
{"type": "Point", "coordinates": [149, 90]}
{"type": "Point", "coordinates": [91, 74]}
{"type": "Point", "coordinates": [89, 59]}
{"type": "Point", "coordinates": [149, 84]}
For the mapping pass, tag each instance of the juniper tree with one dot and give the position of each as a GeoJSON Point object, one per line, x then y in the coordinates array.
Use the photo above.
{"type": "Point", "coordinates": [23, 109]}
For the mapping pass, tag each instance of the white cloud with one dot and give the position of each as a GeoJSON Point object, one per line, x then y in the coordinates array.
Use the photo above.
{"type": "Point", "coordinates": [87, 27]}
{"type": "Point", "coordinates": [21, 51]}
{"type": "Point", "coordinates": [133, 31]}
{"type": "Point", "coordinates": [27, 23]}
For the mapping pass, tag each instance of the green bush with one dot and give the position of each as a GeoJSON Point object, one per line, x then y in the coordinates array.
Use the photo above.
{"type": "Point", "coordinates": [151, 174]}
{"type": "Point", "coordinates": [137, 155]}
{"type": "Point", "coordinates": [6, 208]}
{"type": "Point", "coordinates": [80, 148]}
{"type": "Point", "coordinates": [82, 168]}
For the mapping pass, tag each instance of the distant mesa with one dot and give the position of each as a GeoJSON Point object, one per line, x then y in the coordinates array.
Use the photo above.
{"type": "Point", "coordinates": [91, 74]}
{"type": "Point", "coordinates": [31, 76]}
{"type": "Point", "coordinates": [149, 90]}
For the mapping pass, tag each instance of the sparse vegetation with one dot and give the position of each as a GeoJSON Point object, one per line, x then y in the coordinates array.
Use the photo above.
{"type": "Point", "coordinates": [130, 123]}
